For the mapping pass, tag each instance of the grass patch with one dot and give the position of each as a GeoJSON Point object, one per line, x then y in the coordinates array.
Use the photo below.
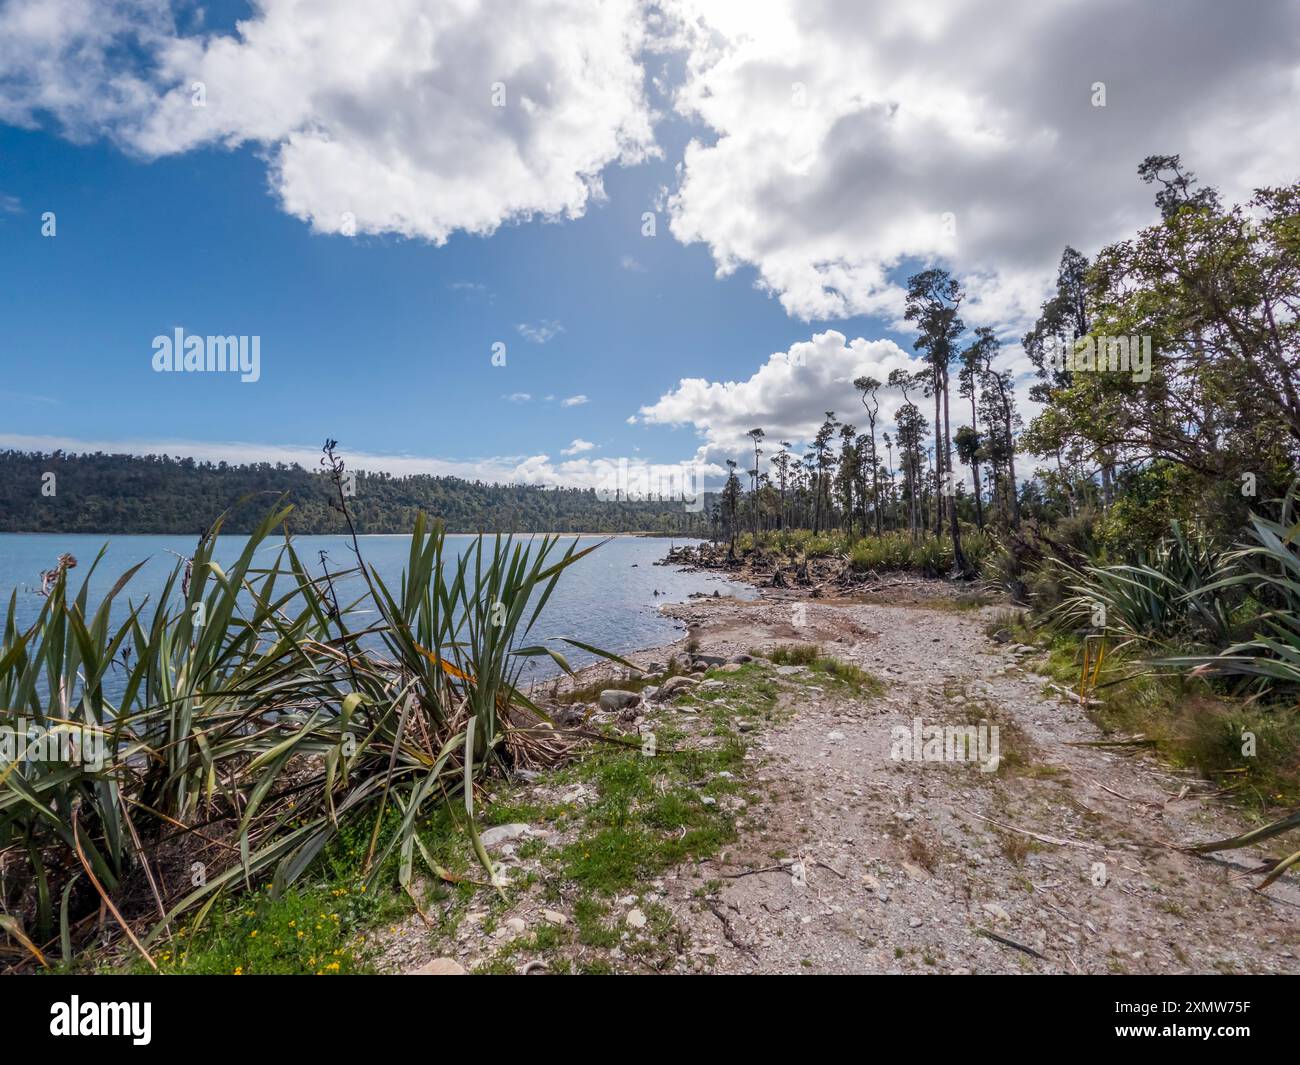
{"type": "Point", "coordinates": [315, 927]}
{"type": "Point", "coordinates": [651, 814]}
{"type": "Point", "coordinates": [1192, 726]}
{"type": "Point", "coordinates": [810, 656]}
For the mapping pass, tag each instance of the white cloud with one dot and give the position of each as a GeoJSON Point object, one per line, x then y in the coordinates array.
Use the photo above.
{"type": "Point", "coordinates": [501, 469]}
{"type": "Point", "coordinates": [495, 469]}
{"type": "Point", "coordinates": [382, 114]}
{"type": "Point", "coordinates": [577, 447]}
{"type": "Point", "coordinates": [62, 58]}
{"type": "Point", "coordinates": [840, 141]}
{"type": "Point", "coordinates": [849, 139]}
{"type": "Point", "coordinates": [574, 401]}
{"type": "Point", "coordinates": [541, 332]}
{"type": "Point", "coordinates": [518, 397]}
{"type": "Point", "coordinates": [789, 395]}
{"type": "Point", "coordinates": [628, 262]}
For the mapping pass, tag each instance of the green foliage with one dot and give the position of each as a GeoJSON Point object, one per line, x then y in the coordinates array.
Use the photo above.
{"type": "Point", "coordinates": [250, 717]}
{"type": "Point", "coordinates": [1164, 597]}
{"type": "Point", "coordinates": [1266, 573]}
{"type": "Point", "coordinates": [649, 814]}
{"type": "Point", "coordinates": [931, 557]}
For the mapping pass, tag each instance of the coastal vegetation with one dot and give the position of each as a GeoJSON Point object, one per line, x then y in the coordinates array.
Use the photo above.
{"type": "Point", "coordinates": [1148, 516]}
{"type": "Point", "coordinates": [255, 737]}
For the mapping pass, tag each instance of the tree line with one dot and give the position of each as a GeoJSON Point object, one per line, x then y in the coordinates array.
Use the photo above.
{"type": "Point", "coordinates": [103, 493]}
{"type": "Point", "coordinates": [1214, 427]}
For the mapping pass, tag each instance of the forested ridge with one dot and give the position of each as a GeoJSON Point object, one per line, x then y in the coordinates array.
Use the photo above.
{"type": "Point", "coordinates": [102, 493]}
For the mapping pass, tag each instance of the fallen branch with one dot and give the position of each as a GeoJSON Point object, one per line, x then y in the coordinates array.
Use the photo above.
{"type": "Point", "coordinates": [1054, 840]}
{"type": "Point", "coordinates": [1075, 697]}
{"type": "Point", "coordinates": [1010, 943]}
{"type": "Point", "coordinates": [752, 872]}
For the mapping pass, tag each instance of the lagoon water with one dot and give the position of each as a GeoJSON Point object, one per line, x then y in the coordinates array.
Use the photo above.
{"type": "Point", "coordinates": [606, 599]}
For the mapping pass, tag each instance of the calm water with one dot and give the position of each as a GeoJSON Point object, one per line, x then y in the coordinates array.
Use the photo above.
{"type": "Point", "coordinates": [606, 599]}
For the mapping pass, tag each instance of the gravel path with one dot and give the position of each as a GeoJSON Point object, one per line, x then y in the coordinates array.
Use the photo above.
{"type": "Point", "coordinates": [858, 862]}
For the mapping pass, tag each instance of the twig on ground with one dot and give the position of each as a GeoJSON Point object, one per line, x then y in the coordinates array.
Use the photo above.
{"type": "Point", "coordinates": [1010, 943]}
{"type": "Point", "coordinates": [1054, 840]}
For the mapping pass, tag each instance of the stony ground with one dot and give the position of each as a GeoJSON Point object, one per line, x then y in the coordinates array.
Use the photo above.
{"type": "Point", "coordinates": [829, 855]}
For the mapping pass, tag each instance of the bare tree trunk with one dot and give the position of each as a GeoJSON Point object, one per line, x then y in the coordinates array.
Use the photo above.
{"type": "Point", "coordinates": [938, 465]}
{"type": "Point", "coordinates": [950, 488]}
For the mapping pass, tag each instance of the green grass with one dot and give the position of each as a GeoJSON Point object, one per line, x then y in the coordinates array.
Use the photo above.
{"type": "Point", "coordinates": [318, 926]}
{"type": "Point", "coordinates": [643, 816]}
{"type": "Point", "coordinates": [810, 656]}
{"type": "Point", "coordinates": [1192, 725]}
{"type": "Point", "coordinates": [650, 815]}
{"type": "Point", "coordinates": [893, 550]}
{"type": "Point", "coordinates": [305, 930]}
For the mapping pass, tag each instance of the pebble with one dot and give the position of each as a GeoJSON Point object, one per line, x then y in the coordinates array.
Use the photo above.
{"type": "Point", "coordinates": [498, 834]}
{"type": "Point", "coordinates": [440, 967]}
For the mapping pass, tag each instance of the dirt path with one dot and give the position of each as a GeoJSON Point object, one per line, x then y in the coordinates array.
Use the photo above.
{"type": "Point", "coordinates": [858, 862]}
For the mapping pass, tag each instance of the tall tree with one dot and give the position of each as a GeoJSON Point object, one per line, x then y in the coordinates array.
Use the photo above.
{"type": "Point", "coordinates": [825, 459]}
{"type": "Point", "coordinates": [972, 368]}
{"type": "Point", "coordinates": [910, 429]}
{"type": "Point", "coordinates": [889, 450]}
{"type": "Point", "coordinates": [782, 463]}
{"type": "Point", "coordinates": [757, 436]}
{"type": "Point", "coordinates": [731, 506]}
{"type": "Point", "coordinates": [869, 386]}
{"type": "Point", "coordinates": [1001, 403]}
{"type": "Point", "coordinates": [933, 300]}
{"type": "Point", "coordinates": [847, 478]}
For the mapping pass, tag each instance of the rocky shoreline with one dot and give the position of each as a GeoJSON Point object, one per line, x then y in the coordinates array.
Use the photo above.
{"type": "Point", "coordinates": [805, 845]}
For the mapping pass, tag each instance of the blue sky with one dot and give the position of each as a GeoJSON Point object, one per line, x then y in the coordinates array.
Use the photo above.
{"type": "Point", "coordinates": [381, 341]}
{"type": "Point", "coordinates": [800, 159]}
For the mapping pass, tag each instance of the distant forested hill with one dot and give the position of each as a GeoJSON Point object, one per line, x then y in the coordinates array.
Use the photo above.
{"type": "Point", "coordinates": [155, 494]}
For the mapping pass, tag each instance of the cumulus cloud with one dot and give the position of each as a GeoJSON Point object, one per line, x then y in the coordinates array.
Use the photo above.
{"type": "Point", "coordinates": [518, 397]}
{"type": "Point", "coordinates": [540, 333]}
{"type": "Point", "coordinates": [414, 117]}
{"type": "Point", "coordinates": [573, 401]}
{"type": "Point", "coordinates": [847, 140]}
{"type": "Point", "coordinates": [788, 396]}
{"type": "Point", "coordinates": [579, 445]}
{"type": "Point", "coordinates": [65, 59]}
